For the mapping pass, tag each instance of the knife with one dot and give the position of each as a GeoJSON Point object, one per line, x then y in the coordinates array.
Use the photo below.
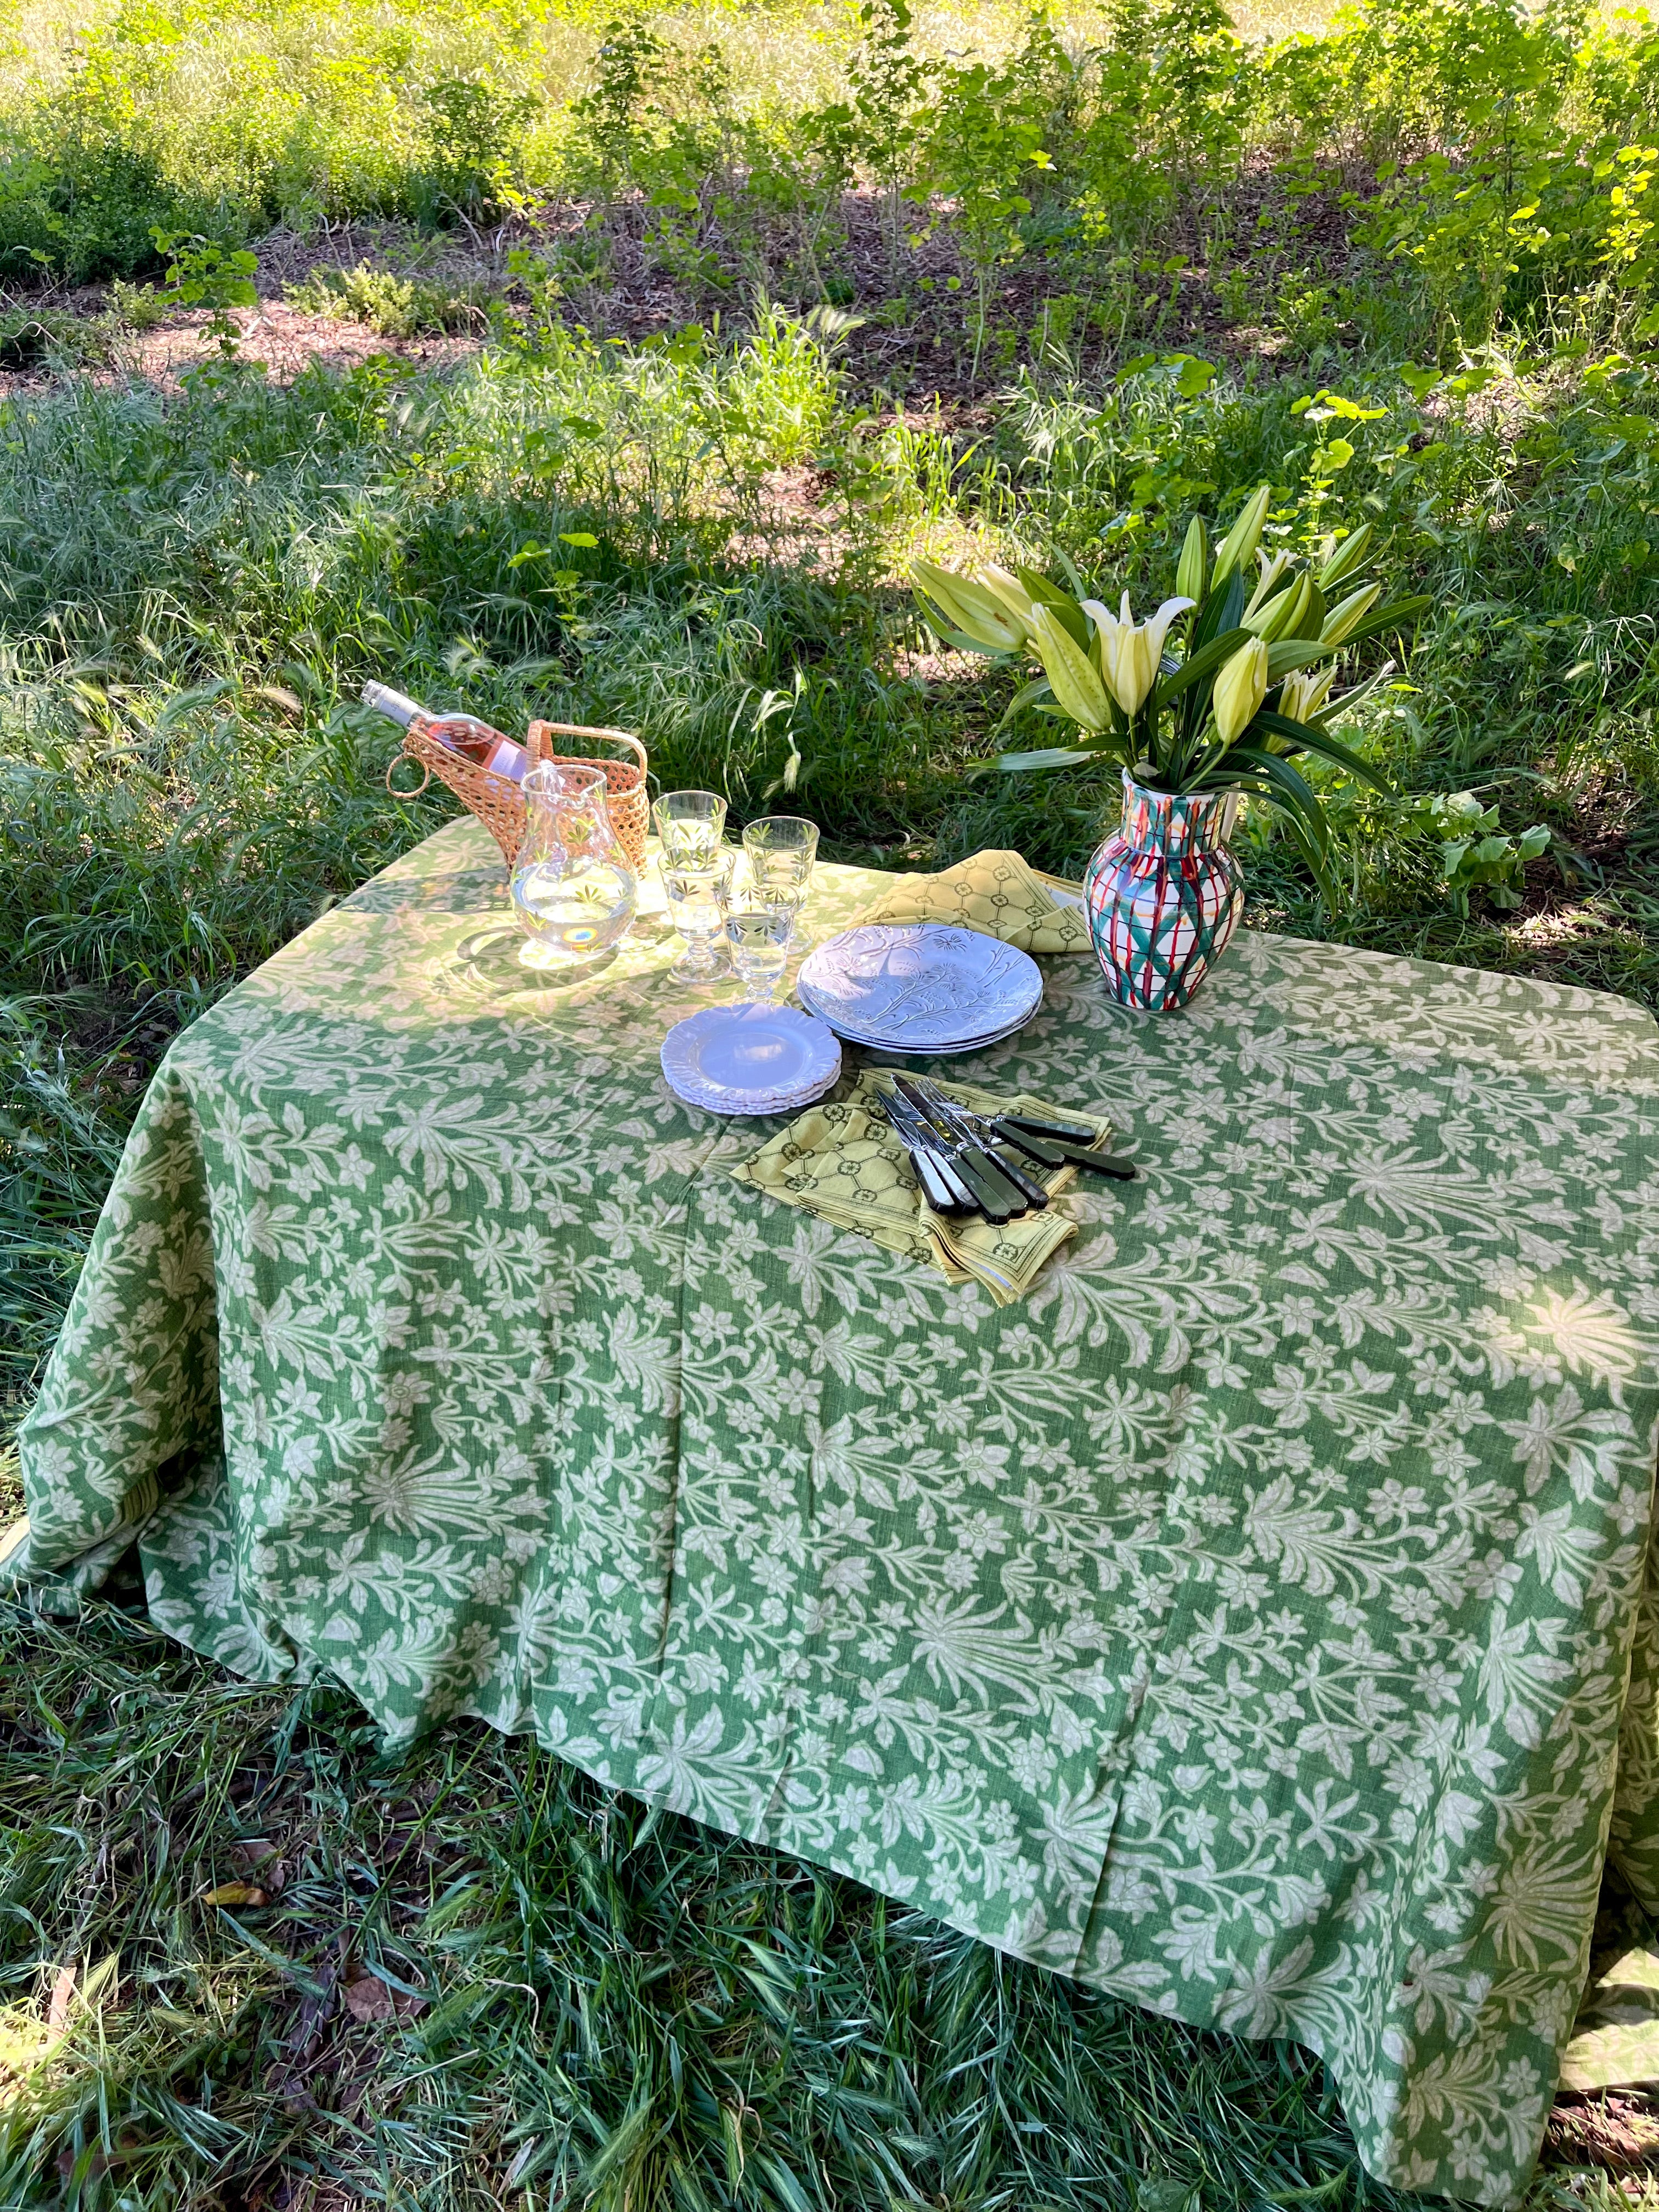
{"type": "Point", "coordinates": [1062, 1132]}
{"type": "Point", "coordinates": [996, 1197]}
{"type": "Point", "coordinates": [1055, 1154]}
{"type": "Point", "coordinates": [944, 1191]}
{"type": "Point", "coordinates": [978, 1129]}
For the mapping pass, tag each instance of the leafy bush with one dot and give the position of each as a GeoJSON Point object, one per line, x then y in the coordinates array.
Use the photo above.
{"type": "Point", "coordinates": [34, 338]}
{"type": "Point", "coordinates": [1475, 853]}
{"type": "Point", "coordinates": [398, 307]}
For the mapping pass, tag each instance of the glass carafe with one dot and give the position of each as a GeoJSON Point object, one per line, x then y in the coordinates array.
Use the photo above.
{"type": "Point", "coordinates": [573, 890]}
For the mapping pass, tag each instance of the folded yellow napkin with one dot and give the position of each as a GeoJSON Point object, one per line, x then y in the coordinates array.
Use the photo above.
{"type": "Point", "coordinates": [999, 894]}
{"type": "Point", "coordinates": [843, 1162]}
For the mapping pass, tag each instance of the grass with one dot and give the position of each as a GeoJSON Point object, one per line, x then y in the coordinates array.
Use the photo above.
{"type": "Point", "coordinates": [476, 1979]}
{"type": "Point", "coordinates": [670, 491]}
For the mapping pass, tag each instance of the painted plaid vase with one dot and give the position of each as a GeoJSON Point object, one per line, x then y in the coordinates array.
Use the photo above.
{"type": "Point", "coordinates": [1164, 895]}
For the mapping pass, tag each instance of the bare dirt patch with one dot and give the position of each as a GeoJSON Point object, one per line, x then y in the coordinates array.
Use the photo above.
{"type": "Point", "coordinates": [282, 340]}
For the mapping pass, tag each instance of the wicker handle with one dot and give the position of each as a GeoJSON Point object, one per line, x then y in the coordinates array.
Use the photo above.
{"type": "Point", "coordinates": [539, 732]}
{"type": "Point", "coordinates": [401, 755]}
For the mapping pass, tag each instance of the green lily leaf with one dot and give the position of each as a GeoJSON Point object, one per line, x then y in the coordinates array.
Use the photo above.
{"type": "Point", "coordinates": [1220, 611]}
{"type": "Point", "coordinates": [1291, 792]}
{"type": "Point", "coordinates": [1052, 756]}
{"type": "Point", "coordinates": [1318, 863]}
{"type": "Point", "coordinates": [1390, 617]}
{"type": "Point", "coordinates": [1349, 700]}
{"type": "Point", "coordinates": [1027, 695]}
{"type": "Point", "coordinates": [1293, 653]}
{"type": "Point", "coordinates": [1314, 740]}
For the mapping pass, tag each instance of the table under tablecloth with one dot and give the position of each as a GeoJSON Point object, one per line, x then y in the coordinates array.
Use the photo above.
{"type": "Point", "coordinates": [1243, 1623]}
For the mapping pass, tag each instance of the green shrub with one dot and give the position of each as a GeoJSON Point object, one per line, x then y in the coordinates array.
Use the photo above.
{"type": "Point", "coordinates": [1474, 852]}
{"type": "Point", "coordinates": [136, 307]}
{"type": "Point", "coordinates": [398, 307]}
{"type": "Point", "coordinates": [33, 337]}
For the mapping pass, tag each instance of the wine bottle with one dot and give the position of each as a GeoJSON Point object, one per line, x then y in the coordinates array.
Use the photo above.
{"type": "Point", "coordinates": [465, 734]}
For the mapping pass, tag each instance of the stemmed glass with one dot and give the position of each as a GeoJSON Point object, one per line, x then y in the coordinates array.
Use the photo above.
{"type": "Point", "coordinates": [690, 824]}
{"type": "Point", "coordinates": [697, 900]}
{"type": "Point", "coordinates": [759, 925]}
{"type": "Point", "coordinates": [781, 849]}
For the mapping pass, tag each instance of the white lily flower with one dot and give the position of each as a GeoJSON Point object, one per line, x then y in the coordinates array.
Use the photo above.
{"type": "Point", "coordinates": [1271, 570]}
{"type": "Point", "coordinates": [1305, 693]}
{"type": "Point", "coordinates": [1130, 652]}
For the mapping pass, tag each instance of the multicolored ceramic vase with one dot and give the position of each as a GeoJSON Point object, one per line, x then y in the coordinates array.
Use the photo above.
{"type": "Point", "coordinates": [1164, 895]}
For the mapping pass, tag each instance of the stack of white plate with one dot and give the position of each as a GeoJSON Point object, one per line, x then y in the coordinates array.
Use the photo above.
{"type": "Point", "coordinates": [749, 1059]}
{"type": "Point", "coordinates": [920, 986]}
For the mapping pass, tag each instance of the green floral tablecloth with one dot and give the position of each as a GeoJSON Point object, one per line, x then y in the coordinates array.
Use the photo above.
{"type": "Point", "coordinates": [1243, 1623]}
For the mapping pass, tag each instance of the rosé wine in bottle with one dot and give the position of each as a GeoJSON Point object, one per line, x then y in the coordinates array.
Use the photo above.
{"type": "Point", "coordinates": [463, 733]}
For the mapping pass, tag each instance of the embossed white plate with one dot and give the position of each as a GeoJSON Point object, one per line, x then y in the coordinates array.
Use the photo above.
{"type": "Point", "coordinates": [750, 1058]}
{"type": "Point", "coordinates": [920, 986]}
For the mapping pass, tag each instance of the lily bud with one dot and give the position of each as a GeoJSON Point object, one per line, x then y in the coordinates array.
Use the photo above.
{"type": "Point", "coordinates": [1349, 614]}
{"type": "Point", "coordinates": [1239, 690]}
{"type": "Point", "coordinates": [1071, 676]}
{"type": "Point", "coordinates": [1193, 561]}
{"type": "Point", "coordinates": [1009, 593]}
{"type": "Point", "coordinates": [968, 607]}
{"type": "Point", "coordinates": [1294, 604]}
{"type": "Point", "coordinates": [1346, 558]}
{"type": "Point", "coordinates": [1241, 540]}
{"type": "Point", "coordinates": [1282, 616]}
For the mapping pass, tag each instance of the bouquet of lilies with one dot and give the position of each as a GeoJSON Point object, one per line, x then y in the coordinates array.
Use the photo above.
{"type": "Point", "coordinates": [1221, 689]}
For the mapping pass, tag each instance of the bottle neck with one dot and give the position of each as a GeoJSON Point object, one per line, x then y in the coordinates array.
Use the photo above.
{"type": "Point", "coordinates": [396, 706]}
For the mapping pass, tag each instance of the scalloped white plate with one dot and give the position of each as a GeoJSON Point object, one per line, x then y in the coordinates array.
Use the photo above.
{"type": "Point", "coordinates": [920, 986]}
{"type": "Point", "coordinates": [750, 1058]}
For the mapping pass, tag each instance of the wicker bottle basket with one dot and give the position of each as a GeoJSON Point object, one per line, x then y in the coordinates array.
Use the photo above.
{"type": "Point", "coordinates": [498, 802]}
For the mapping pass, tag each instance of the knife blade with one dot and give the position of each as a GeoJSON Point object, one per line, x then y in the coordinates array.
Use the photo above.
{"type": "Point", "coordinates": [995, 1196]}
{"type": "Point", "coordinates": [944, 1191]}
{"type": "Point", "coordinates": [980, 1130]}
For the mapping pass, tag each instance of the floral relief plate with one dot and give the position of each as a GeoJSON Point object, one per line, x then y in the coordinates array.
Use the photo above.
{"type": "Point", "coordinates": [920, 986]}
{"type": "Point", "coordinates": [750, 1058]}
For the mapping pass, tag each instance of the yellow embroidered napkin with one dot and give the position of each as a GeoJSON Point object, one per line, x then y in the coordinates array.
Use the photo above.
{"type": "Point", "coordinates": [999, 894]}
{"type": "Point", "coordinates": [842, 1162]}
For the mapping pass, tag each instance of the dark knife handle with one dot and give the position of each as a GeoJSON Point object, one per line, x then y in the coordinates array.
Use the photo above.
{"type": "Point", "coordinates": [1106, 1164]}
{"type": "Point", "coordinates": [1034, 1148]}
{"type": "Point", "coordinates": [995, 1196]}
{"type": "Point", "coordinates": [1009, 1161]}
{"type": "Point", "coordinates": [1063, 1133]}
{"type": "Point", "coordinates": [1055, 1154]}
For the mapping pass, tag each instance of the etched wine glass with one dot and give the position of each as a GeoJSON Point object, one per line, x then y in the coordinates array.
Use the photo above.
{"type": "Point", "coordinates": [697, 907]}
{"type": "Point", "coordinates": [781, 849]}
{"type": "Point", "coordinates": [690, 824]}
